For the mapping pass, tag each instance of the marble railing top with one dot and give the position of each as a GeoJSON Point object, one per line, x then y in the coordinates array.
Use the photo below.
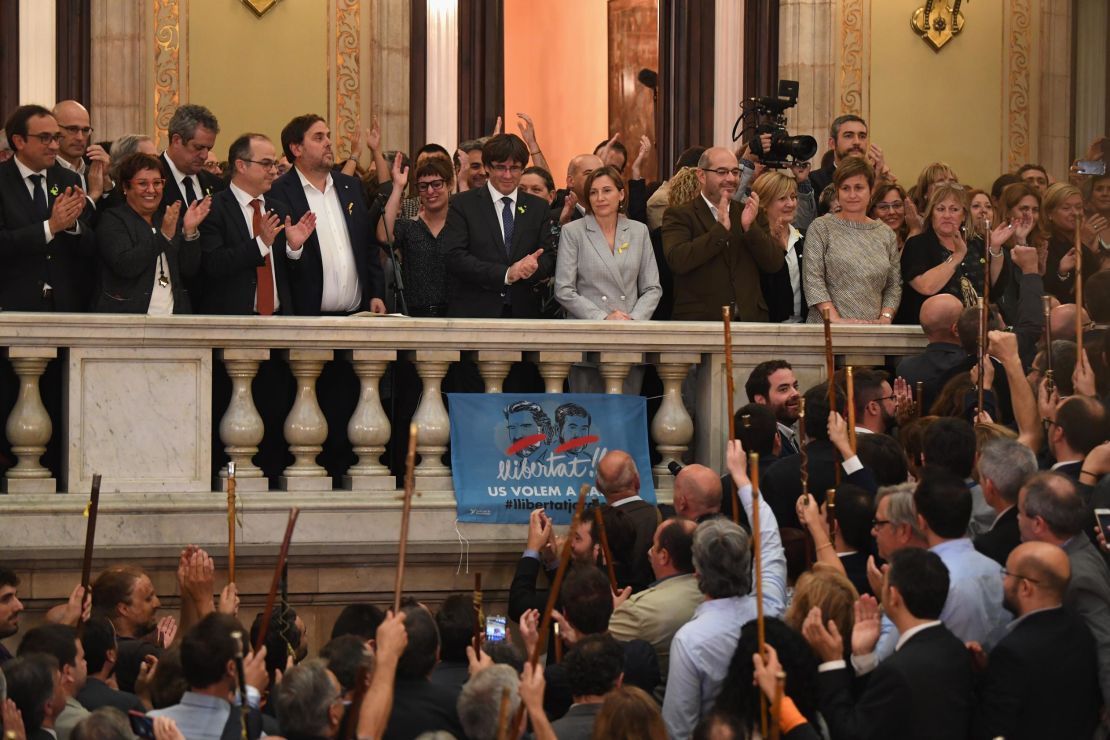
{"type": "Point", "coordinates": [403, 333]}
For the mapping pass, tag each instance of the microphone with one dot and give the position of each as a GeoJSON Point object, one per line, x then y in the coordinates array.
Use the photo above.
{"type": "Point", "coordinates": [675, 467]}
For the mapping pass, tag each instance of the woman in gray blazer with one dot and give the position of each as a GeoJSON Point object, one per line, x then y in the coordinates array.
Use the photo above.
{"type": "Point", "coordinates": [605, 267]}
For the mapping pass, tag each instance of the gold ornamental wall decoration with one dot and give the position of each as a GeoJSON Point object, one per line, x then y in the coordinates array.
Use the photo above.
{"type": "Point", "coordinates": [260, 7]}
{"type": "Point", "coordinates": [937, 23]}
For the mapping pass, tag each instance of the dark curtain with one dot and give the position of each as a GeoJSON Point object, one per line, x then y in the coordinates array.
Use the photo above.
{"type": "Point", "coordinates": [761, 48]}
{"type": "Point", "coordinates": [685, 113]}
{"type": "Point", "coordinates": [9, 58]}
{"type": "Point", "coordinates": [74, 39]}
{"type": "Point", "coordinates": [418, 75]}
{"type": "Point", "coordinates": [481, 67]}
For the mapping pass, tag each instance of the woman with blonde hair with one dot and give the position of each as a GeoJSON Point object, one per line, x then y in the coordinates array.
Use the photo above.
{"type": "Point", "coordinates": [778, 203]}
{"type": "Point", "coordinates": [628, 713]}
{"type": "Point", "coordinates": [1017, 223]}
{"type": "Point", "coordinates": [827, 588]}
{"type": "Point", "coordinates": [1061, 214]}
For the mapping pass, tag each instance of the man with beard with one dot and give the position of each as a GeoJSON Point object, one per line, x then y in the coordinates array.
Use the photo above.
{"type": "Point", "coordinates": [574, 423]}
{"type": "Point", "coordinates": [10, 609]}
{"type": "Point", "coordinates": [772, 383]}
{"type": "Point", "coordinates": [874, 401]}
{"type": "Point", "coordinates": [525, 419]}
{"type": "Point", "coordinates": [848, 137]}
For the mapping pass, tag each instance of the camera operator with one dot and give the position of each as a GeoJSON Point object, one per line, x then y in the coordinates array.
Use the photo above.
{"type": "Point", "coordinates": [848, 137]}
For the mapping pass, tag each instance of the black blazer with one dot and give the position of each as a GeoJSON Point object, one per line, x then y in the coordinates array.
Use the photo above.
{"type": "Point", "coordinates": [998, 542]}
{"type": "Point", "coordinates": [97, 694]}
{"type": "Point", "coordinates": [230, 259]}
{"type": "Point", "coordinates": [30, 262]}
{"type": "Point", "coordinates": [924, 690]}
{"type": "Point", "coordinates": [477, 261]}
{"type": "Point", "coordinates": [306, 275]}
{"type": "Point", "coordinates": [1041, 681]}
{"type": "Point", "coordinates": [778, 292]}
{"type": "Point", "coordinates": [209, 185]}
{"type": "Point", "coordinates": [782, 484]}
{"type": "Point", "coordinates": [129, 261]}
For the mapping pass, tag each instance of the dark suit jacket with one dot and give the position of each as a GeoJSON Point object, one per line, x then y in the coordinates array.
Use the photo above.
{"type": "Point", "coordinates": [97, 694]}
{"type": "Point", "coordinates": [645, 519]}
{"type": "Point", "coordinates": [713, 267]}
{"type": "Point", "coordinates": [782, 484]}
{"type": "Point", "coordinates": [230, 259]}
{"type": "Point", "coordinates": [1041, 681]}
{"type": "Point", "coordinates": [477, 259]}
{"type": "Point", "coordinates": [307, 274]}
{"type": "Point", "coordinates": [1088, 595]}
{"type": "Point", "coordinates": [641, 669]}
{"type": "Point", "coordinates": [1002, 538]}
{"type": "Point", "coordinates": [932, 368]}
{"type": "Point", "coordinates": [209, 185]}
{"type": "Point", "coordinates": [129, 261]}
{"type": "Point", "coordinates": [922, 691]}
{"type": "Point", "coordinates": [779, 293]}
{"type": "Point", "coordinates": [820, 179]}
{"type": "Point", "coordinates": [29, 261]}
{"type": "Point", "coordinates": [578, 724]}
{"type": "Point", "coordinates": [421, 706]}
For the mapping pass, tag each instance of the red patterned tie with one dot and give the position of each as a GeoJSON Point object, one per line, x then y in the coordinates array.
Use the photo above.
{"type": "Point", "coordinates": [265, 274]}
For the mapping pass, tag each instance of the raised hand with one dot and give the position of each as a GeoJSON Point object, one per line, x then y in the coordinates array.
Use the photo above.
{"type": "Point", "coordinates": [525, 267]}
{"type": "Point", "coordinates": [875, 576]}
{"type": "Point", "coordinates": [903, 400]}
{"type": "Point", "coordinates": [1025, 257]}
{"type": "Point", "coordinates": [399, 172]}
{"type": "Point", "coordinates": [66, 210]}
{"type": "Point", "coordinates": [169, 220]}
{"type": "Point", "coordinates": [1022, 228]}
{"type": "Point", "coordinates": [477, 661]}
{"type": "Point", "coordinates": [766, 670]}
{"type": "Point", "coordinates": [373, 136]}
{"type": "Point", "coordinates": [195, 214]}
{"type": "Point", "coordinates": [254, 670]}
{"type": "Point", "coordinates": [1002, 233]}
{"type": "Point", "coordinates": [229, 600]}
{"type": "Point", "coordinates": [838, 433]}
{"type": "Point", "coordinates": [751, 210]}
{"type": "Point", "coordinates": [567, 633]}
{"type": "Point", "coordinates": [825, 640]}
{"type": "Point", "coordinates": [913, 218]}
{"type": "Point", "coordinates": [296, 234]}
{"type": "Point", "coordinates": [527, 131]}
{"type": "Point", "coordinates": [166, 631]}
{"type": "Point", "coordinates": [269, 228]}
{"type": "Point", "coordinates": [12, 720]}
{"type": "Point", "coordinates": [1083, 377]}
{"type": "Point", "coordinates": [621, 596]}
{"type": "Point", "coordinates": [604, 152]}
{"type": "Point", "coordinates": [529, 629]}
{"type": "Point", "coordinates": [497, 127]}
{"type": "Point", "coordinates": [568, 208]}
{"type": "Point", "coordinates": [868, 625]}
{"type": "Point", "coordinates": [641, 157]}
{"type": "Point", "coordinates": [166, 729]}
{"type": "Point", "coordinates": [391, 637]}
{"type": "Point", "coordinates": [1067, 262]}
{"type": "Point", "coordinates": [532, 687]}
{"type": "Point", "coordinates": [736, 462]}
{"type": "Point", "coordinates": [1091, 228]}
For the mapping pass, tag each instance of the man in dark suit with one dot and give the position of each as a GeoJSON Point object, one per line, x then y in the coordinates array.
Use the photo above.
{"type": "Point", "coordinates": [1004, 467]}
{"type": "Point", "coordinates": [716, 249]}
{"type": "Point", "coordinates": [45, 236]}
{"type": "Point", "coordinates": [1080, 426]}
{"type": "Point", "coordinates": [577, 171]}
{"type": "Point", "coordinates": [924, 690]}
{"type": "Point", "coordinates": [1050, 510]}
{"type": "Point", "coordinates": [35, 685]}
{"type": "Point", "coordinates": [593, 669]}
{"type": "Point", "coordinates": [246, 240]}
{"type": "Point", "coordinates": [339, 270]}
{"type": "Point", "coordinates": [939, 314]}
{"type": "Point", "coordinates": [1041, 679]}
{"type": "Point", "coordinates": [99, 641]}
{"type": "Point", "coordinates": [498, 241]}
{"type": "Point", "coordinates": [619, 481]}
{"type": "Point", "coordinates": [772, 384]}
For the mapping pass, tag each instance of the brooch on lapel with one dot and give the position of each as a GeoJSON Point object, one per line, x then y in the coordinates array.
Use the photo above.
{"type": "Point", "coordinates": [54, 191]}
{"type": "Point", "coordinates": [622, 247]}
{"type": "Point", "coordinates": [350, 208]}
{"type": "Point", "coordinates": [521, 209]}
{"type": "Point", "coordinates": [208, 191]}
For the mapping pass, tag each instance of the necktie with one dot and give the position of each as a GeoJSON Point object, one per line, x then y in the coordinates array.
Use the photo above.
{"type": "Point", "coordinates": [190, 192]}
{"type": "Point", "coordinates": [39, 196]}
{"type": "Point", "coordinates": [507, 221]}
{"type": "Point", "coordinates": [265, 298]}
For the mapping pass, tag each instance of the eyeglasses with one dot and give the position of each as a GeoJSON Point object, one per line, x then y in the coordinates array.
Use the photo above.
{"type": "Point", "coordinates": [266, 164]}
{"type": "Point", "coordinates": [723, 171]}
{"type": "Point", "coordinates": [884, 207]}
{"type": "Point", "coordinates": [46, 139]}
{"type": "Point", "coordinates": [886, 398]}
{"type": "Point", "coordinates": [147, 184]}
{"type": "Point", "coordinates": [424, 187]}
{"type": "Point", "coordinates": [1018, 576]}
{"type": "Point", "coordinates": [876, 523]}
{"type": "Point", "coordinates": [74, 130]}
{"type": "Point", "coordinates": [505, 169]}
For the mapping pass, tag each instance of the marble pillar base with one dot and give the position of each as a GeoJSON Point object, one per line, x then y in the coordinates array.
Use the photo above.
{"type": "Point", "coordinates": [219, 483]}
{"type": "Point", "coordinates": [368, 483]}
{"type": "Point", "coordinates": [293, 483]}
{"type": "Point", "coordinates": [29, 485]}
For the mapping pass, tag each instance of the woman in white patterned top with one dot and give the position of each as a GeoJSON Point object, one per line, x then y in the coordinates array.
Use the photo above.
{"type": "Point", "coordinates": [851, 264]}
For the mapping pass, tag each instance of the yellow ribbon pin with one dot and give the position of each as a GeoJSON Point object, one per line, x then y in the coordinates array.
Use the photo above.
{"type": "Point", "coordinates": [88, 506]}
{"type": "Point", "coordinates": [350, 208]}
{"type": "Point", "coordinates": [622, 247]}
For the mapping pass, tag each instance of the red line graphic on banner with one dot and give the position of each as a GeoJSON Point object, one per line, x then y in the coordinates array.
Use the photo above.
{"type": "Point", "coordinates": [570, 444]}
{"type": "Point", "coordinates": [524, 442]}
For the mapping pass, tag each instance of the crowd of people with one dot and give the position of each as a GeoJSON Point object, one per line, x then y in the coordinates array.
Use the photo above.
{"type": "Point", "coordinates": [957, 584]}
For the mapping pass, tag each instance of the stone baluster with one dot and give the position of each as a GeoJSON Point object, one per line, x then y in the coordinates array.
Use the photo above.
{"type": "Point", "coordinates": [614, 367]}
{"type": "Point", "coordinates": [369, 427]}
{"type": "Point", "coordinates": [554, 367]}
{"type": "Point", "coordinates": [671, 428]}
{"type": "Point", "coordinates": [433, 427]}
{"type": "Point", "coordinates": [494, 365]}
{"type": "Point", "coordinates": [241, 427]}
{"type": "Point", "coordinates": [29, 428]}
{"type": "Point", "coordinates": [305, 427]}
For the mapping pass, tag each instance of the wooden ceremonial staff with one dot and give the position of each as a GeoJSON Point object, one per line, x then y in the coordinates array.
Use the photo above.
{"type": "Point", "coordinates": [920, 398]}
{"type": "Point", "coordinates": [272, 596]}
{"type": "Point", "coordinates": [803, 450]}
{"type": "Point", "coordinates": [1050, 376]}
{"type": "Point", "coordinates": [776, 705]}
{"type": "Point", "coordinates": [231, 522]}
{"type": "Point", "coordinates": [851, 401]}
{"type": "Point", "coordinates": [244, 707]}
{"type": "Point", "coordinates": [982, 355]}
{"type": "Point", "coordinates": [1078, 290]}
{"type": "Point", "coordinates": [90, 537]}
{"type": "Point", "coordinates": [726, 316]}
{"type": "Point", "coordinates": [830, 371]}
{"type": "Point", "coordinates": [503, 716]}
{"type": "Point", "coordinates": [406, 509]}
{"type": "Point", "coordinates": [753, 475]}
{"type": "Point", "coordinates": [830, 509]}
{"type": "Point", "coordinates": [605, 551]}
{"type": "Point", "coordinates": [477, 614]}
{"type": "Point", "coordinates": [552, 597]}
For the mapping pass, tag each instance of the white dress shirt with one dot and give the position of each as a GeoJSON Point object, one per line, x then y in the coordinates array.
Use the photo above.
{"type": "Point", "coordinates": [498, 208]}
{"type": "Point", "coordinates": [25, 173]}
{"type": "Point", "coordinates": [794, 269]}
{"type": "Point", "coordinates": [244, 199]}
{"type": "Point", "coordinates": [161, 296]}
{"type": "Point", "coordinates": [341, 286]}
{"type": "Point", "coordinates": [178, 177]}
{"type": "Point", "coordinates": [712, 208]}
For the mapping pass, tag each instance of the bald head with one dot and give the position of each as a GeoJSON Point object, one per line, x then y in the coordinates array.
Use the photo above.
{"type": "Point", "coordinates": [73, 120]}
{"type": "Point", "coordinates": [716, 187]}
{"type": "Point", "coordinates": [697, 492]}
{"type": "Point", "coordinates": [578, 170]}
{"type": "Point", "coordinates": [1063, 320]}
{"type": "Point", "coordinates": [1037, 575]}
{"type": "Point", "coordinates": [617, 476]}
{"type": "Point", "coordinates": [939, 314]}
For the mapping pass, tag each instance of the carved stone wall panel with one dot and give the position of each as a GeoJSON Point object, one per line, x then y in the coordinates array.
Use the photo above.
{"type": "Point", "coordinates": [168, 65]}
{"type": "Point", "coordinates": [853, 57]}
{"type": "Point", "coordinates": [385, 74]}
{"type": "Point", "coordinates": [345, 73]}
{"type": "Point", "coordinates": [806, 37]}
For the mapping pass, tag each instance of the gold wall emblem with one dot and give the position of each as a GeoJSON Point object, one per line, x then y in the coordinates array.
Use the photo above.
{"type": "Point", "coordinates": [937, 23]}
{"type": "Point", "coordinates": [260, 7]}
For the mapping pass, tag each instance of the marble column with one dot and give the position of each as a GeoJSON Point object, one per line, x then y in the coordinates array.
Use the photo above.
{"type": "Point", "coordinates": [807, 30]}
{"type": "Point", "coordinates": [369, 427]}
{"type": "Point", "coordinates": [241, 427]}
{"type": "Point", "coordinates": [1054, 113]}
{"type": "Point", "coordinates": [728, 68]}
{"type": "Point", "coordinates": [121, 55]}
{"type": "Point", "coordinates": [614, 367]}
{"type": "Point", "coordinates": [29, 427]}
{"type": "Point", "coordinates": [433, 427]}
{"type": "Point", "coordinates": [494, 365]}
{"type": "Point", "coordinates": [37, 51]}
{"type": "Point", "coordinates": [443, 72]}
{"type": "Point", "coordinates": [386, 72]}
{"type": "Point", "coordinates": [305, 427]}
{"type": "Point", "coordinates": [672, 429]}
{"type": "Point", "coordinates": [554, 367]}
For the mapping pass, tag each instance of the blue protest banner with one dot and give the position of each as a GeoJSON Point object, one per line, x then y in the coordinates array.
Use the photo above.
{"type": "Point", "coordinates": [514, 453]}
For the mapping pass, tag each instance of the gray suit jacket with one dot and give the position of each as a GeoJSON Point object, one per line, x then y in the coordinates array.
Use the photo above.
{"type": "Point", "coordinates": [591, 281]}
{"type": "Point", "coordinates": [1088, 595]}
{"type": "Point", "coordinates": [577, 723]}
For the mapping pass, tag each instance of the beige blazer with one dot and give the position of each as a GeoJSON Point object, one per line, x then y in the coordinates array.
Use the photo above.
{"type": "Point", "coordinates": [655, 614]}
{"type": "Point", "coordinates": [591, 281]}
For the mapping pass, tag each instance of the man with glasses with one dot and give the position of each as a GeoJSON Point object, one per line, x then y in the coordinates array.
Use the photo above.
{"type": "Point", "coordinates": [76, 151]}
{"type": "Point", "coordinates": [45, 237]}
{"type": "Point", "coordinates": [246, 239]}
{"type": "Point", "coordinates": [715, 248]}
{"type": "Point", "coordinates": [1041, 680]}
{"type": "Point", "coordinates": [498, 240]}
